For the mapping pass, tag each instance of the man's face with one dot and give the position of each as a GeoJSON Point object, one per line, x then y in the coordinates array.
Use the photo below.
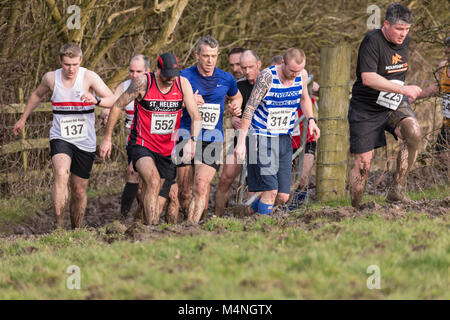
{"type": "Point", "coordinates": [235, 65]}
{"type": "Point", "coordinates": [70, 66]}
{"type": "Point", "coordinates": [292, 69]}
{"type": "Point", "coordinates": [166, 81]}
{"type": "Point", "coordinates": [137, 68]}
{"type": "Point", "coordinates": [396, 33]}
{"type": "Point", "coordinates": [250, 67]}
{"type": "Point", "coordinates": [207, 58]}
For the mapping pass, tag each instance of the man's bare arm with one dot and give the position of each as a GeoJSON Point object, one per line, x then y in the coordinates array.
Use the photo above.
{"type": "Point", "coordinates": [262, 85]}
{"type": "Point", "coordinates": [433, 90]}
{"type": "Point", "coordinates": [136, 90]}
{"type": "Point", "coordinates": [191, 107]}
{"type": "Point", "coordinates": [36, 96]}
{"type": "Point", "coordinates": [377, 82]}
{"type": "Point", "coordinates": [236, 103]}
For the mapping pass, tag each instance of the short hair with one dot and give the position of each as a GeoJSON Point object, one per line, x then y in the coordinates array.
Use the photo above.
{"type": "Point", "coordinates": [276, 59]}
{"type": "Point", "coordinates": [294, 54]}
{"type": "Point", "coordinates": [206, 40]}
{"type": "Point", "coordinates": [398, 13]}
{"type": "Point", "coordinates": [70, 50]}
{"type": "Point", "coordinates": [141, 57]}
{"type": "Point", "coordinates": [250, 53]}
{"type": "Point", "coordinates": [235, 50]}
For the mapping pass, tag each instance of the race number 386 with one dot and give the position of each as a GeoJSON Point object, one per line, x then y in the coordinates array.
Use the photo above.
{"type": "Point", "coordinates": [210, 113]}
{"type": "Point", "coordinates": [74, 128]}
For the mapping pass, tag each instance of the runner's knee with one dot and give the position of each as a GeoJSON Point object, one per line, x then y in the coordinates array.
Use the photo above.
{"type": "Point", "coordinates": [78, 192]}
{"type": "Point", "coordinates": [173, 194]}
{"type": "Point", "coordinates": [410, 131]}
{"type": "Point", "coordinates": [201, 187]}
{"type": "Point", "coordinates": [61, 173]}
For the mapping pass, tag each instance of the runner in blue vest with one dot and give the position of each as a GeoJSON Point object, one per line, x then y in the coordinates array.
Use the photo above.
{"type": "Point", "coordinates": [270, 115]}
{"type": "Point", "coordinates": [211, 86]}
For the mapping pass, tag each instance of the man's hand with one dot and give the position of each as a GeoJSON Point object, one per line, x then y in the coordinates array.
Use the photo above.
{"type": "Point", "coordinates": [412, 92]}
{"type": "Point", "coordinates": [18, 127]}
{"type": "Point", "coordinates": [198, 98]}
{"type": "Point", "coordinates": [105, 148]}
{"type": "Point", "coordinates": [188, 151]}
{"type": "Point", "coordinates": [314, 130]}
{"type": "Point", "coordinates": [240, 151]}
{"type": "Point", "coordinates": [236, 122]}
{"type": "Point", "coordinates": [89, 97]}
{"type": "Point", "coordinates": [105, 115]}
{"type": "Point", "coordinates": [235, 108]}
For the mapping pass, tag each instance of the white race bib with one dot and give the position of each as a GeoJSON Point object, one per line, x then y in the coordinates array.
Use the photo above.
{"type": "Point", "coordinates": [163, 123]}
{"type": "Point", "coordinates": [279, 120]}
{"type": "Point", "coordinates": [446, 105]}
{"type": "Point", "coordinates": [73, 128]}
{"type": "Point", "coordinates": [390, 100]}
{"type": "Point", "coordinates": [210, 113]}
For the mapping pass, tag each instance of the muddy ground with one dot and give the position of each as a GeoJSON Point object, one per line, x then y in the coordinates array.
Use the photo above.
{"type": "Point", "coordinates": [105, 211]}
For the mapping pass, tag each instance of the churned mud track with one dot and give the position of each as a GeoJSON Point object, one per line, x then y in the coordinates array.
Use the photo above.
{"type": "Point", "coordinates": [103, 211]}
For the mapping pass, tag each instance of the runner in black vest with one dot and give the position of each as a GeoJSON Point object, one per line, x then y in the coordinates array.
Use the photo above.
{"type": "Point", "coordinates": [380, 103]}
{"type": "Point", "coordinates": [250, 66]}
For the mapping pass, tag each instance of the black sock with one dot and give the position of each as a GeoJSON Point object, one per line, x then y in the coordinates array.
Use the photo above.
{"type": "Point", "coordinates": [129, 193]}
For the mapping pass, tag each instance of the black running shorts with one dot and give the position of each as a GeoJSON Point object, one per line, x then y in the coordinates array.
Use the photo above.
{"type": "Point", "coordinates": [82, 161]}
{"type": "Point", "coordinates": [367, 128]}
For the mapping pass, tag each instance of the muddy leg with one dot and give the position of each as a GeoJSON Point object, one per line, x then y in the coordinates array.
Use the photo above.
{"type": "Point", "coordinates": [202, 179]}
{"type": "Point", "coordinates": [60, 193]}
{"type": "Point", "coordinates": [230, 172]}
{"type": "Point", "coordinates": [409, 131]}
{"type": "Point", "coordinates": [150, 188]}
{"type": "Point", "coordinates": [185, 182]}
{"type": "Point", "coordinates": [173, 206]}
{"type": "Point", "coordinates": [78, 200]}
{"type": "Point", "coordinates": [359, 175]}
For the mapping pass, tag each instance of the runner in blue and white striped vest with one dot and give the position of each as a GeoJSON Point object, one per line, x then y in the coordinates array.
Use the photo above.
{"type": "Point", "coordinates": [275, 114]}
{"type": "Point", "coordinates": [270, 112]}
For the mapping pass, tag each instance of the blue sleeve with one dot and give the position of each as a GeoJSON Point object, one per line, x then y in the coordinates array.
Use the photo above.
{"type": "Point", "coordinates": [232, 86]}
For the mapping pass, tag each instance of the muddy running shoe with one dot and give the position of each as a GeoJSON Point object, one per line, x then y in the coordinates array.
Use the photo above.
{"type": "Point", "coordinates": [298, 199]}
{"type": "Point", "coordinates": [397, 194]}
{"type": "Point", "coordinates": [241, 211]}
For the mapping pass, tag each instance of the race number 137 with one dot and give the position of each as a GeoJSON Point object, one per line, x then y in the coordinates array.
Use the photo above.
{"type": "Point", "coordinates": [73, 128]}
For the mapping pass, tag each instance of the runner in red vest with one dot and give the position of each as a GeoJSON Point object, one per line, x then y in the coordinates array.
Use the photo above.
{"type": "Point", "coordinates": [159, 102]}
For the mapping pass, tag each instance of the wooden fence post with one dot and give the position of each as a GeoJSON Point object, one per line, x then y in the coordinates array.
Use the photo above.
{"type": "Point", "coordinates": [331, 167]}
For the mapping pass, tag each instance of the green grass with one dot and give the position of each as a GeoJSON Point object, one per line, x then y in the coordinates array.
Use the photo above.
{"type": "Point", "coordinates": [436, 192]}
{"type": "Point", "coordinates": [240, 259]}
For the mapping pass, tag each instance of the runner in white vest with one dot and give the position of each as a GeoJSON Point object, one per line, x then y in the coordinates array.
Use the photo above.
{"type": "Point", "coordinates": [72, 135]}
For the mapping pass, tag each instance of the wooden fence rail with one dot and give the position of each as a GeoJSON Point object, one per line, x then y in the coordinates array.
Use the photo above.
{"type": "Point", "coordinates": [25, 144]}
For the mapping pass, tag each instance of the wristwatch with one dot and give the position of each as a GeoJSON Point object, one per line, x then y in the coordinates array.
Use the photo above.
{"type": "Point", "coordinates": [315, 120]}
{"type": "Point", "coordinates": [194, 138]}
{"type": "Point", "coordinates": [98, 101]}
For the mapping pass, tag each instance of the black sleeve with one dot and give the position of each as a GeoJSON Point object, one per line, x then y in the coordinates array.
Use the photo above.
{"type": "Point", "coordinates": [368, 56]}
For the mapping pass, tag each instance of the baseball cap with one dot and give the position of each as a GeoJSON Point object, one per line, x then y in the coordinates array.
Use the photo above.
{"type": "Point", "coordinates": [168, 63]}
